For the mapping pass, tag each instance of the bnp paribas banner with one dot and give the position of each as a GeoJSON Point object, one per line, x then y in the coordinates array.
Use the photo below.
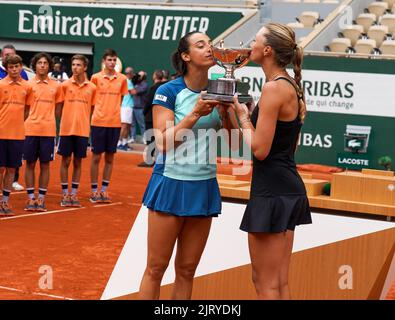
{"type": "Point", "coordinates": [143, 36]}
{"type": "Point", "coordinates": [351, 116]}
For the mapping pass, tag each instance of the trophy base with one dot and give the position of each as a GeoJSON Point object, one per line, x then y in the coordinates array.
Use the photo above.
{"type": "Point", "coordinates": [223, 89]}
{"type": "Point", "coordinates": [226, 98]}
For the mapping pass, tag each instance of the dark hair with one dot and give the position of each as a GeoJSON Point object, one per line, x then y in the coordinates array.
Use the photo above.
{"type": "Point", "coordinates": [282, 39]}
{"type": "Point", "coordinates": [166, 74]}
{"type": "Point", "coordinates": [109, 53]}
{"type": "Point", "coordinates": [8, 46]}
{"type": "Point", "coordinates": [158, 74]}
{"type": "Point", "coordinates": [14, 59]}
{"type": "Point", "coordinates": [80, 57]}
{"type": "Point", "coordinates": [176, 59]}
{"type": "Point", "coordinates": [37, 57]}
{"type": "Point", "coordinates": [131, 70]}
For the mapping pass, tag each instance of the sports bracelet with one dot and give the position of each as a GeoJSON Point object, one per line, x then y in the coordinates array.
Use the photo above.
{"type": "Point", "coordinates": [244, 119]}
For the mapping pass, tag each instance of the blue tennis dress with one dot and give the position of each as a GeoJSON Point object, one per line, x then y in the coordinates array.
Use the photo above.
{"type": "Point", "coordinates": [183, 182]}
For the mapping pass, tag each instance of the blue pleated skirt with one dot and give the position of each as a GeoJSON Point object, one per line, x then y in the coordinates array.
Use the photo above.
{"type": "Point", "coordinates": [183, 198]}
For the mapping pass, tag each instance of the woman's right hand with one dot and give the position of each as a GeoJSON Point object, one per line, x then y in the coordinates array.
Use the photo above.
{"type": "Point", "coordinates": [204, 107]}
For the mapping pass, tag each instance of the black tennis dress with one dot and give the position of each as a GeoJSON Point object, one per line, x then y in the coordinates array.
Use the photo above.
{"type": "Point", "coordinates": [278, 200]}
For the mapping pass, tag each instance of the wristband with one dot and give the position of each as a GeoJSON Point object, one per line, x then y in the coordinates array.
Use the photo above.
{"type": "Point", "coordinates": [244, 120]}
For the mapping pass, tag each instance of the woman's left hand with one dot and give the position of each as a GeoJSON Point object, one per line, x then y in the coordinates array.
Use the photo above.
{"type": "Point", "coordinates": [223, 110]}
{"type": "Point", "coordinates": [240, 108]}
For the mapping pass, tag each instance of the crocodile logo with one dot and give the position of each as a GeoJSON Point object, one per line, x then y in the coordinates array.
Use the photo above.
{"type": "Point", "coordinates": [354, 143]}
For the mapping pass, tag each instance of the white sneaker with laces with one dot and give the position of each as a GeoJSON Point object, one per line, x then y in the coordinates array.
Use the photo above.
{"type": "Point", "coordinates": [17, 186]}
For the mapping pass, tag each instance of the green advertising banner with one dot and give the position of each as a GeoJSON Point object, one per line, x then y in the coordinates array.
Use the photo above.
{"type": "Point", "coordinates": [143, 36]}
{"type": "Point", "coordinates": [353, 161]}
{"type": "Point", "coordinates": [326, 139]}
{"type": "Point", "coordinates": [350, 119]}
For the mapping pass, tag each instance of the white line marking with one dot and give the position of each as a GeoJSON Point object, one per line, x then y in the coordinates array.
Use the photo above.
{"type": "Point", "coordinates": [106, 205]}
{"type": "Point", "coordinates": [57, 211]}
{"type": "Point", "coordinates": [36, 293]}
{"type": "Point", "coordinates": [40, 213]}
{"type": "Point", "coordinates": [10, 289]}
{"type": "Point", "coordinates": [136, 204]}
{"type": "Point", "coordinates": [18, 192]}
{"type": "Point", "coordinates": [51, 295]}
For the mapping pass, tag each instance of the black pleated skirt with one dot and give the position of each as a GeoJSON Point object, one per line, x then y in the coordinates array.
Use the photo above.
{"type": "Point", "coordinates": [276, 213]}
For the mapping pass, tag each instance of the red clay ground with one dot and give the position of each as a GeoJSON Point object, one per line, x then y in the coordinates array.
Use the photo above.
{"type": "Point", "coordinates": [81, 246]}
{"type": "Point", "coordinates": [391, 293]}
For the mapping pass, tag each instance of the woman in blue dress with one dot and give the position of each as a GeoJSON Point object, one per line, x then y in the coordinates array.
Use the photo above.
{"type": "Point", "coordinates": [183, 194]}
{"type": "Point", "coordinates": [278, 200]}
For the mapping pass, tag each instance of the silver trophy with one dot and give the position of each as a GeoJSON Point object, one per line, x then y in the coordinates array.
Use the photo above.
{"type": "Point", "coordinates": [223, 89]}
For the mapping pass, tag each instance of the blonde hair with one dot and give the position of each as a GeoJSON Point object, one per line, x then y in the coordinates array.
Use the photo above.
{"type": "Point", "coordinates": [282, 40]}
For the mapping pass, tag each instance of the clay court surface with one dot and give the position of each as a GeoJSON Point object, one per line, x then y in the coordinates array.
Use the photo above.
{"type": "Point", "coordinates": [80, 245]}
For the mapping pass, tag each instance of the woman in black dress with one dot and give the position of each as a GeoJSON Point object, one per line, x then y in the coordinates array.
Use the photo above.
{"type": "Point", "coordinates": [278, 200]}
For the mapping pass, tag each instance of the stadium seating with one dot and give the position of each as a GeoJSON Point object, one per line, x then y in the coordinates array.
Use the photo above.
{"type": "Point", "coordinates": [372, 31]}
{"type": "Point", "coordinates": [389, 21]}
{"type": "Point", "coordinates": [309, 18]}
{"type": "Point", "coordinates": [365, 46]}
{"type": "Point", "coordinates": [366, 20]}
{"type": "Point", "coordinates": [378, 33]}
{"type": "Point", "coordinates": [388, 47]}
{"type": "Point", "coordinates": [352, 32]}
{"type": "Point", "coordinates": [312, 1]}
{"type": "Point", "coordinates": [391, 3]}
{"type": "Point", "coordinates": [309, 14]}
{"type": "Point", "coordinates": [378, 8]}
{"type": "Point", "coordinates": [340, 45]}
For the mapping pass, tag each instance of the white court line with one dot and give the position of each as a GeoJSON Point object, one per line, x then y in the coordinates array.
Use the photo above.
{"type": "Point", "coordinates": [136, 204]}
{"type": "Point", "coordinates": [106, 205]}
{"type": "Point", "coordinates": [51, 295]}
{"type": "Point", "coordinates": [57, 211]}
{"type": "Point", "coordinates": [41, 213]}
{"type": "Point", "coordinates": [18, 192]}
{"type": "Point", "coordinates": [10, 289]}
{"type": "Point", "coordinates": [35, 293]}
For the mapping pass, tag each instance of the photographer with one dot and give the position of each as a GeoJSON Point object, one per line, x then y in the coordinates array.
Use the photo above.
{"type": "Point", "coordinates": [159, 77]}
{"type": "Point", "coordinates": [140, 98]}
{"type": "Point", "coordinates": [58, 73]}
